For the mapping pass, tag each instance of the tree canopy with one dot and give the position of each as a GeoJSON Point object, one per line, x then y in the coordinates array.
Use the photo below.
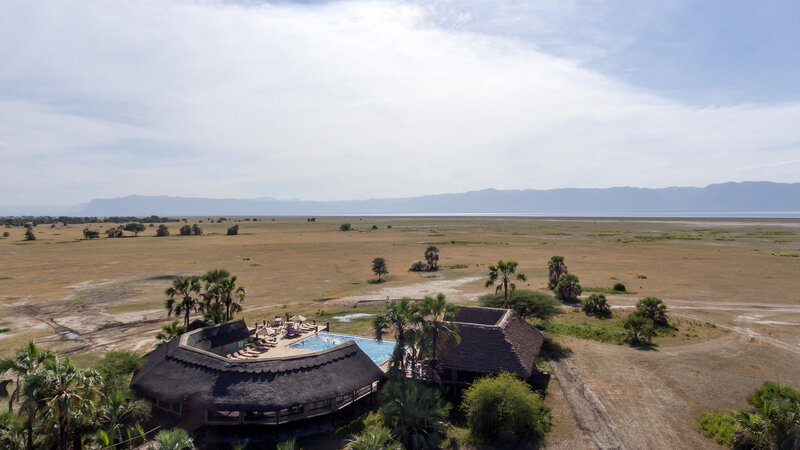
{"type": "Point", "coordinates": [526, 303]}
{"type": "Point", "coordinates": [379, 267]}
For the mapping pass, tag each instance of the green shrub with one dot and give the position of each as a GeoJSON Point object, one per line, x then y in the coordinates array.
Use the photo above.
{"type": "Point", "coordinates": [606, 332]}
{"type": "Point", "coordinates": [90, 234]}
{"type": "Point", "coordinates": [233, 231]}
{"type": "Point", "coordinates": [418, 266]}
{"type": "Point", "coordinates": [596, 305]}
{"type": "Point", "coordinates": [526, 303]}
{"type": "Point", "coordinates": [619, 287]}
{"type": "Point", "coordinates": [186, 230]}
{"type": "Point", "coordinates": [345, 227]}
{"type": "Point", "coordinates": [718, 426]}
{"type": "Point", "coordinates": [504, 410]}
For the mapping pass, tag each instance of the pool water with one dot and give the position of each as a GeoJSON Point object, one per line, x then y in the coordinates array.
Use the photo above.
{"type": "Point", "coordinates": [379, 352]}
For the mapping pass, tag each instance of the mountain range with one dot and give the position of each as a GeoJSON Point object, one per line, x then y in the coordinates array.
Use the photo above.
{"type": "Point", "coordinates": [734, 199]}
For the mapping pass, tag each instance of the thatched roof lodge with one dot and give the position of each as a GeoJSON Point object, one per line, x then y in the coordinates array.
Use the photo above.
{"type": "Point", "coordinates": [188, 377]}
{"type": "Point", "coordinates": [493, 340]}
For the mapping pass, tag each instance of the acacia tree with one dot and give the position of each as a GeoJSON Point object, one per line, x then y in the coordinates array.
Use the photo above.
{"type": "Point", "coordinates": [182, 297]}
{"type": "Point", "coordinates": [135, 228]}
{"type": "Point", "coordinates": [432, 257]}
{"type": "Point", "coordinates": [555, 268]}
{"type": "Point", "coordinates": [504, 272]}
{"type": "Point", "coordinates": [379, 267]}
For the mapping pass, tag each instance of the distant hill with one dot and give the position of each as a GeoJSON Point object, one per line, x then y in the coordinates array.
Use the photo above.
{"type": "Point", "coordinates": [716, 199]}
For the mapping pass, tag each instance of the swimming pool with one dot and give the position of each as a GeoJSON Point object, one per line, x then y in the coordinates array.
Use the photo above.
{"type": "Point", "coordinates": [377, 351]}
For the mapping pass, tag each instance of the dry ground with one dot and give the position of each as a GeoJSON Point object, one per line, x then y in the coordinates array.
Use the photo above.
{"type": "Point", "coordinates": [82, 297]}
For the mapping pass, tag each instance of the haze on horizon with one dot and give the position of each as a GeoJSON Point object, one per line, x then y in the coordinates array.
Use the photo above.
{"type": "Point", "coordinates": [331, 100]}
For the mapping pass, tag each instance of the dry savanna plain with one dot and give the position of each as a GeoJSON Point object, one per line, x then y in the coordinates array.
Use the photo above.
{"type": "Point", "coordinates": [732, 287]}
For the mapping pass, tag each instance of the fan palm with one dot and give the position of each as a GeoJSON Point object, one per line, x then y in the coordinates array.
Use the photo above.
{"type": "Point", "coordinates": [182, 299]}
{"type": "Point", "coordinates": [174, 439]}
{"type": "Point", "coordinates": [375, 438]}
{"type": "Point", "coordinates": [62, 388]}
{"type": "Point", "coordinates": [555, 268]}
{"type": "Point", "coordinates": [12, 433]}
{"type": "Point", "coordinates": [504, 271]}
{"type": "Point", "coordinates": [170, 332]}
{"type": "Point", "coordinates": [440, 326]}
{"type": "Point", "coordinates": [25, 361]}
{"type": "Point", "coordinates": [416, 414]}
{"type": "Point", "coordinates": [399, 317]}
{"type": "Point", "coordinates": [120, 413]}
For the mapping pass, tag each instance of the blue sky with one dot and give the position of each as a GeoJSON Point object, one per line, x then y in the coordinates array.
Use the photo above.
{"type": "Point", "coordinates": [358, 99]}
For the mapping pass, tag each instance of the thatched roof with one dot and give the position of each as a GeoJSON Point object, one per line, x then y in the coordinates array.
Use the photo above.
{"type": "Point", "coordinates": [182, 369]}
{"type": "Point", "coordinates": [493, 340]}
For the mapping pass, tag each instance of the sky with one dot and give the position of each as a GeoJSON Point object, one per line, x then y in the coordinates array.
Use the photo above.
{"type": "Point", "coordinates": [333, 100]}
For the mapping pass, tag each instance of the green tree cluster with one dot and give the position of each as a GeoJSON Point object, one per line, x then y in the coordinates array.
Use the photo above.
{"type": "Point", "coordinates": [90, 234]}
{"type": "Point", "coordinates": [55, 404]}
{"type": "Point", "coordinates": [135, 228]}
{"type": "Point", "coordinates": [526, 303]}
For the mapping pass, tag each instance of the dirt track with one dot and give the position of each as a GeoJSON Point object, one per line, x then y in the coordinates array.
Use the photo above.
{"type": "Point", "coordinates": [589, 412]}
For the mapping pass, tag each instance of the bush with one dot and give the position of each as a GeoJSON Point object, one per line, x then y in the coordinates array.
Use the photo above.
{"type": "Point", "coordinates": [374, 227]}
{"type": "Point", "coordinates": [233, 231]}
{"type": "Point", "coordinates": [596, 305]}
{"type": "Point", "coordinates": [90, 234]}
{"type": "Point", "coordinates": [418, 266]}
{"type": "Point", "coordinates": [718, 426]}
{"type": "Point", "coordinates": [619, 287]}
{"type": "Point", "coordinates": [29, 236]}
{"type": "Point", "coordinates": [345, 227]}
{"type": "Point", "coordinates": [117, 367]}
{"type": "Point", "coordinates": [654, 309]}
{"type": "Point", "coordinates": [114, 232]}
{"type": "Point", "coordinates": [186, 230]}
{"type": "Point", "coordinates": [526, 303]}
{"type": "Point", "coordinates": [196, 230]}
{"type": "Point", "coordinates": [568, 288]}
{"type": "Point", "coordinates": [6, 234]}
{"type": "Point", "coordinates": [162, 231]}
{"type": "Point", "coordinates": [504, 410]}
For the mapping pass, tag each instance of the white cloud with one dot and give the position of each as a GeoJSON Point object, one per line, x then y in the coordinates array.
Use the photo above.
{"type": "Point", "coordinates": [336, 101]}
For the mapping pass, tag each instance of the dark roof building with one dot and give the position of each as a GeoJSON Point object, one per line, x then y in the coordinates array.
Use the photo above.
{"type": "Point", "coordinates": [187, 376]}
{"type": "Point", "coordinates": [493, 340]}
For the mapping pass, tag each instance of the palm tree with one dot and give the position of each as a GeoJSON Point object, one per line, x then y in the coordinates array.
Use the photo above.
{"type": "Point", "coordinates": [568, 287]}
{"type": "Point", "coordinates": [211, 279]}
{"type": "Point", "coordinates": [174, 439]}
{"type": "Point", "coordinates": [12, 433]}
{"type": "Point", "coordinates": [399, 317]}
{"type": "Point", "coordinates": [432, 257]}
{"type": "Point", "coordinates": [231, 296]}
{"type": "Point", "coordinates": [181, 297]}
{"type": "Point", "coordinates": [62, 388]}
{"type": "Point", "coordinates": [373, 438]}
{"type": "Point", "coordinates": [440, 328]}
{"type": "Point", "coordinates": [504, 271]}
{"type": "Point", "coordinates": [654, 309]}
{"type": "Point", "coordinates": [170, 332]}
{"type": "Point", "coordinates": [25, 361]}
{"type": "Point", "coordinates": [555, 268]}
{"type": "Point", "coordinates": [120, 413]}
{"type": "Point", "coordinates": [417, 414]}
